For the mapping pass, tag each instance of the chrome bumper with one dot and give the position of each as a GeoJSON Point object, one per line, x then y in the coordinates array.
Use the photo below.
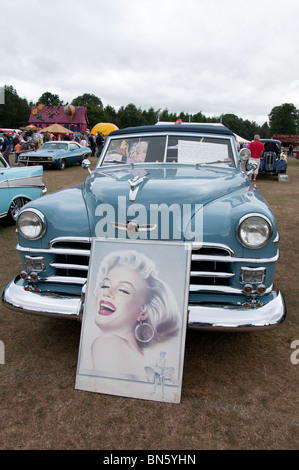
{"type": "Point", "coordinates": [203, 317]}
{"type": "Point", "coordinates": [237, 317]}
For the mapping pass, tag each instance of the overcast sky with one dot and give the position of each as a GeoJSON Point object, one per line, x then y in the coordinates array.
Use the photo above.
{"type": "Point", "coordinates": [213, 56]}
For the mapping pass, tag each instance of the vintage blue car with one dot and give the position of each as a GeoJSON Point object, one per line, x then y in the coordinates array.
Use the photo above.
{"type": "Point", "coordinates": [273, 160]}
{"type": "Point", "coordinates": [166, 182]}
{"type": "Point", "coordinates": [57, 154]}
{"type": "Point", "coordinates": [17, 187]}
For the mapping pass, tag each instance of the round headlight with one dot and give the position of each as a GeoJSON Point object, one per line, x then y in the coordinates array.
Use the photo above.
{"type": "Point", "coordinates": [30, 224]}
{"type": "Point", "coordinates": [254, 231]}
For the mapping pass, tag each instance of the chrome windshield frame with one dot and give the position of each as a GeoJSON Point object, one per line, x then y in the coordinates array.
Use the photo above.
{"type": "Point", "coordinates": [167, 134]}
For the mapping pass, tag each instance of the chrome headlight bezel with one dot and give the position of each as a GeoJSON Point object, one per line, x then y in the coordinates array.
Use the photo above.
{"type": "Point", "coordinates": [31, 218]}
{"type": "Point", "coordinates": [254, 220]}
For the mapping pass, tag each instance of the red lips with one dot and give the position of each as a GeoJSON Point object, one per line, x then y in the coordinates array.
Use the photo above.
{"type": "Point", "coordinates": [106, 308]}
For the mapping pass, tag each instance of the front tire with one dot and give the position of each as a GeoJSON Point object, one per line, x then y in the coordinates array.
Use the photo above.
{"type": "Point", "coordinates": [61, 165]}
{"type": "Point", "coordinates": [15, 208]}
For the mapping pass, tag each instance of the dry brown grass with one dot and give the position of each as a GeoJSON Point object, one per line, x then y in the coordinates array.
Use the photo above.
{"type": "Point", "coordinates": [240, 391]}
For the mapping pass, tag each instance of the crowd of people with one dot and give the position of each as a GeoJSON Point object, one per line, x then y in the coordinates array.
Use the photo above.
{"type": "Point", "coordinates": [20, 142]}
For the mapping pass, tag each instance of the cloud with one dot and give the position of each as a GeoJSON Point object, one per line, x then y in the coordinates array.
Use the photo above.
{"type": "Point", "coordinates": [211, 56]}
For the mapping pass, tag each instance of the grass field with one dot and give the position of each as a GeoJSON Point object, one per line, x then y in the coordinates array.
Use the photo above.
{"type": "Point", "coordinates": [240, 390]}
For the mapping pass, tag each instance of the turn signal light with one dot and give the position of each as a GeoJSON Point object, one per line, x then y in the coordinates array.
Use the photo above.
{"type": "Point", "coordinates": [33, 276]}
{"type": "Point", "coordinates": [248, 288]}
{"type": "Point", "coordinates": [261, 289]}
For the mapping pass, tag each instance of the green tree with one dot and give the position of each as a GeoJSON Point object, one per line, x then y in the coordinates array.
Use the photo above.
{"type": "Point", "coordinates": [87, 99]}
{"type": "Point", "coordinates": [94, 107]}
{"type": "Point", "coordinates": [265, 131]}
{"type": "Point", "coordinates": [49, 99]}
{"type": "Point", "coordinates": [166, 116]}
{"type": "Point", "coordinates": [110, 115]}
{"type": "Point", "coordinates": [284, 119]}
{"type": "Point", "coordinates": [150, 116]}
{"type": "Point", "coordinates": [130, 116]}
{"type": "Point", "coordinates": [15, 111]}
{"type": "Point", "coordinates": [198, 117]}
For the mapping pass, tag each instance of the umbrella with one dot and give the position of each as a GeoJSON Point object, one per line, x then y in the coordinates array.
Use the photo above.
{"type": "Point", "coordinates": [57, 129]}
{"type": "Point", "coordinates": [31, 127]}
{"type": "Point", "coordinates": [104, 127]}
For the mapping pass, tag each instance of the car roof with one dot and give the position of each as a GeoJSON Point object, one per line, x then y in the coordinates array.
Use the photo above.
{"type": "Point", "coordinates": [270, 140]}
{"type": "Point", "coordinates": [174, 128]}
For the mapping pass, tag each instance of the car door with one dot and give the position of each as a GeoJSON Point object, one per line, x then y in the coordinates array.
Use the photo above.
{"type": "Point", "coordinates": [76, 152]}
{"type": "Point", "coordinates": [4, 189]}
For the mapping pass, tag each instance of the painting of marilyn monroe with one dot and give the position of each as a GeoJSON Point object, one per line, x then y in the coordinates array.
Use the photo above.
{"type": "Point", "coordinates": [134, 323]}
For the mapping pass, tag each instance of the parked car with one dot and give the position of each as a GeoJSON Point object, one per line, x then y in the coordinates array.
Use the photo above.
{"type": "Point", "coordinates": [273, 161]}
{"type": "Point", "coordinates": [231, 228]}
{"type": "Point", "coordinates": [57, 154]}
{"type": "Point", "coordinates": [17, 187]}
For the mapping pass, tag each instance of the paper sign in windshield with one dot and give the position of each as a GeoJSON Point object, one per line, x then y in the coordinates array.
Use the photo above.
{"type": "Point", "coordinates": [201, 152]}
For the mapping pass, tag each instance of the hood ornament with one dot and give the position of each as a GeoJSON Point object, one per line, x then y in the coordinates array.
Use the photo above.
{"type": "Point", "coordinates": [133, 226]}
{"type": "Point", "coordinates": [134, 185]}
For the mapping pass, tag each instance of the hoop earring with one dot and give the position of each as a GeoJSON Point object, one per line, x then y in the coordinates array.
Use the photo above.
{"type": "Point", "coordinates": [144, 332]}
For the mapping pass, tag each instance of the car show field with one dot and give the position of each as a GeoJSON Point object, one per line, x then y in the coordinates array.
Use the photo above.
{"type": "Point", "coordinates": [239, 390]}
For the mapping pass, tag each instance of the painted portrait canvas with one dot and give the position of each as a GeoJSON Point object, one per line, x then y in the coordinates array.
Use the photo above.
{"type": "Point", "coordinates": [135, 316]}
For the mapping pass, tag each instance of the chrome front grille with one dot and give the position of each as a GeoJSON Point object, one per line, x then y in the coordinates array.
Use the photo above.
{"type": "Point", "coordinates": [210, 268]}
{"type": "Point", "coordinates": [210, 265]}
{"type": "Point", "coordinates": [71, 257]}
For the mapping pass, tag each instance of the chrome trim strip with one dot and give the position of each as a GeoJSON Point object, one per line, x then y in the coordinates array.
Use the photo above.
{"type": "Point", "coordinates": [211, 274]}
{"type": "Point", "coordinates": [58, 251]}
{"type": "Point", "coordinates": [78, 267]}
{"type": "Point", "coordinates": [222, 289]}
{"type": "Point", "coordinates": [24, 182]}
{"type": "Point", "coordinates": [63, 280]}
{"type": "Point", "coordinates": [236, 260]}
{"type": "Point", "coordinates": [220, 246]}
{"type": "Point", "coordinates": [70, 240]}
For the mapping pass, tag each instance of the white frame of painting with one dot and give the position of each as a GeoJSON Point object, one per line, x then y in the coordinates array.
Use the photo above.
{"type": "Point", "coordinates": [161, 377]}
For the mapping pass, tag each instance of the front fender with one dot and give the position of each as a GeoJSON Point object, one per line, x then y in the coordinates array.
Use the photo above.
{"type": "Point", "coordinates": [65, 215]}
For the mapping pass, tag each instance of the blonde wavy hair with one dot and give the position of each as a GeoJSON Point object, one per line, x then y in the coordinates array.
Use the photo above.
{"type": "Point", "coordinates": [160, 304]}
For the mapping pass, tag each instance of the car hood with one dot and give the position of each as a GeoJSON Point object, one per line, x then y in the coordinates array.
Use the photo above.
{"type": "Point", "coordinates": [162, 184]}
{"type": "Point", "coordinates": [46, 153]}
{"type": "Point", "coordinates": [221, 195]}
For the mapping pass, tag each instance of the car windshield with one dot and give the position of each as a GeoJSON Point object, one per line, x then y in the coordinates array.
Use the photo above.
{"type": "Point", "coordinates": [182, 149]}
{"type": "Point", "coordinates": [54, 146]}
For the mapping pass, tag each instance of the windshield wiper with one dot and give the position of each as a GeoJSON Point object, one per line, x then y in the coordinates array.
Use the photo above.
{"type": "Point", "coordinates": [113, 161]}
{"type": "Point", "coordinates": [210, 163]}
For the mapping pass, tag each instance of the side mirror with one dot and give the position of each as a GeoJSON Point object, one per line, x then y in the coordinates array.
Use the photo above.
{"type": "Point", "coordinates": [86, 164]}
{"type": "Point", "coordinates": [244, 155]}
